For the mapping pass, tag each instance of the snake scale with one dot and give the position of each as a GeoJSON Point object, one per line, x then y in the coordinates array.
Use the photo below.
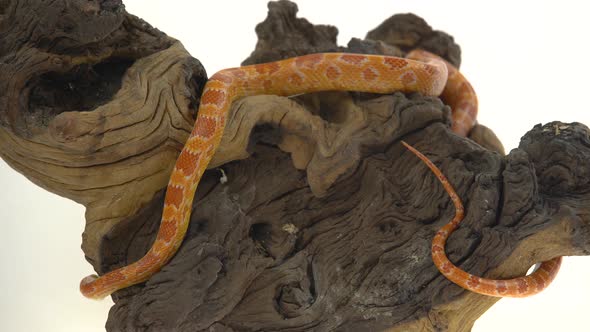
{"type": "Point", "coordinates": [420, 72]}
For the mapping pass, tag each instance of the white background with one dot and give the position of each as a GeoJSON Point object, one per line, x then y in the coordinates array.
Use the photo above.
{"type": "Point", "coordinates": [526, 60]}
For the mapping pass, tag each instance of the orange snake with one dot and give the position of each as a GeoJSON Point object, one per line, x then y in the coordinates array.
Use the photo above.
{"type": "Point", "coordinates": [420, 72]}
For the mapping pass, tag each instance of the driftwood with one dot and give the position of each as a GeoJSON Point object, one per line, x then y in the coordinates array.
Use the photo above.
{"type": "Point", "coordinates": [325, 221]}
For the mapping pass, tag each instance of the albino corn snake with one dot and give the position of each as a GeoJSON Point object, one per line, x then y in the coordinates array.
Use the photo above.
{"type": "Point", "coordinates": [420, 72]}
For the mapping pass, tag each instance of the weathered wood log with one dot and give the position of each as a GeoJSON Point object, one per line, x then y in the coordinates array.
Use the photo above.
{"type": "Point", "coordinates": [94, 102]}
{"type": "Point", "coordinates": [325, 221]}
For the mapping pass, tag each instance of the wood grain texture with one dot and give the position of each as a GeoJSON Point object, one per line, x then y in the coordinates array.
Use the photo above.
{"type": "Point", "coordinates": [94, 108]}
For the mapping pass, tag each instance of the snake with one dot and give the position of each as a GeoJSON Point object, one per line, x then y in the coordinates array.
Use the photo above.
{"type": "Point", "coordinates": [420, 71]}
{"type": "Point", "coordinates": [525, 286]}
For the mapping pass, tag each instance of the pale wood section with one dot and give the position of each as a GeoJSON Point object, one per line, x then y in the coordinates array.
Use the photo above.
{"type": "Point", "coordinates": [114, 158]}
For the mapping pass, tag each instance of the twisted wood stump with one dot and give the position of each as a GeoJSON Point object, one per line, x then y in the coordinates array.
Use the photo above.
{"type": "Point", "coordinates": [97, 104]}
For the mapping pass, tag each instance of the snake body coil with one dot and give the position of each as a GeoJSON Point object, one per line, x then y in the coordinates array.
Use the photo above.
{"type": "Point", "coordinates": [420, 72]}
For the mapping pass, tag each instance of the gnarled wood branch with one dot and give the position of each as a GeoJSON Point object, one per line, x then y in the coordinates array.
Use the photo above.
{"type": "Point", "coordinates": [325, 221]}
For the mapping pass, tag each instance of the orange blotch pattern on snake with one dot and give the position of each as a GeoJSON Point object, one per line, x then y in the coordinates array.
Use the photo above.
{"type": "Point", "coordinates": [296, 78]}
{"type": "Point", "coordinates": [215, 97]}
{"type": "Point", "coordinates": [408, 78]}
{"type": "Point", "coordinates": [395, 63]}
{"type": "Point", "coordinates": [333, 72]}
{"type": "Point", "coordinates": [267, 68]}
{"type": "Point", "coordinates": [168, 227]}
{"type": "Point", "coordinates": [309, 61]}
{"type": "Point", "coordinates": [205, 127]}
{"type": "Point", "coordinates": [354, 59]}
{"type": "Point", "coordinates": [370, 74]}
{"type": "Point", "coordinates": [223, 77]}
{"type": "Point", "coordinates": [187, 163]}
{"type": "Point", "coordinates": [175, 195]}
